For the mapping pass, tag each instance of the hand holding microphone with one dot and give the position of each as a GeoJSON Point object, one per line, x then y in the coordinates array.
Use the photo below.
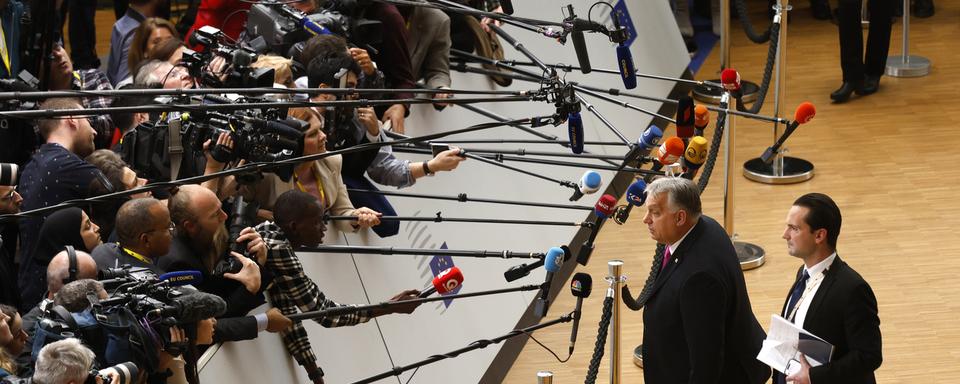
{"type": "Point", "coordinates": [445, 281]}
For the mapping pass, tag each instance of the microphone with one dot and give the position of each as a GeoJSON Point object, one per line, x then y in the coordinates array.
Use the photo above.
{"type": "Point", "coordinates": [445, 281]}
{"type": "Point", "coordinates": [552, 264]}
{"type": "Point", "coordinates": [804, 113]}
{"type": "Point", "coordinates": [575, 132]}
{"type": "Point", "coordinates": [701, 119]}
{"type": "Point", "coordinates": [194, 307]}
{"type": "Point", "coordinates": [602, 209]}
{"type": "Point", "coordinates": [507, 6]}
{"type": "Point", "coordinates": [670, 151]}
{"type": "Point", "coordinates": [589, 183]}
{"type": "Point", "coordinates": [650, 137]}
{"type": "Point", "coordinates": [625, 62]}
{"type": "Point", "coordinates": [695, 156]}
{"type": "Point", "coordinates": [181, 278]}
{"type": "Point", "coordinates": [520, 271]}
{"type": "Point", "coordinates": [636, 196]}
{"type": "Point", "coordinates": [730, 79]}
{"type": "Point", "coordinates": [578, 44]}
{"type": "Point", "coordinates": [580, 287]}
{"type": "Point", "coordinates": [685, 118]}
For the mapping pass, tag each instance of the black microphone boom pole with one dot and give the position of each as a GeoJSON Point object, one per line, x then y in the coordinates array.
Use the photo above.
{"type": "Point", "coordinates": [440, 219]}
{"type": "Point", "coordinates": [371, 250]}
{"type": "Point", "coordinates": [396, 371]}
{"type": "Point", "coordinates": [463, 198]}
{"type": "Point", "coordinates": [496, 159]}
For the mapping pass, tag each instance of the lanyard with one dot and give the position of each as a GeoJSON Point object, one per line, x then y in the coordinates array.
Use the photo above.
{"type": "Point", "coordinates": [4, 51]}
{"type": "Point", "coordinates": [137, 256]}
{"type": "Point", "coordinates": [316, 175]}
{"type": "Point", "coordinates": [814, 282]}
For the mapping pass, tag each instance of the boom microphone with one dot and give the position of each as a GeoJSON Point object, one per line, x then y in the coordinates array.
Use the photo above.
{"type": "Point", "coordinates": [625, 63]}
{"type": "Point", "coordinates": [636, 196]}
{"type": "Point", "coordinates": [517, 272]}
{"type": "Point", "coordinates": [730, 79]}
{"type": "Point", "coordinates": [552, 264]}
{"type": "Point", "coordinates": [589, 183]}
{"type": "Point", "coordinates": [804, 113]}
{"type": "Point", "coordinates": [580, 286]}
{"type": "Point", "coordinates": [578, 44]}
{"type": "Point", "coordinates": [181, 278]}
{"type": "Point", "coordinates": [575, 132]}
{"type": "Point", "coordinates": [194, 307]}
{"type": "Point", "coordinates": [701, 119]}
{"type": "Point", "coordinates": [685, 118]}
{"type": "Point", "coordinates": [694, 156]}
{"type": "Point", "coordinates": [603, 209]}
{"type": "Point", "coordinates": [445, 281]}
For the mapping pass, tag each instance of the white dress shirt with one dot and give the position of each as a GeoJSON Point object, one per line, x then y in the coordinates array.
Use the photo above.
{"type": "Point", "coordinates": [813, 284]}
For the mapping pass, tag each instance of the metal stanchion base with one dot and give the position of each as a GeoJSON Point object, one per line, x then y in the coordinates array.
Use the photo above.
{"type": "Point", "coordinates": [638, 356]}
{"type": "Point", "coordinates": [712, 95]}
{"type": "Point", "coordinates": [794, 171]}
{"type": "Point", "coordinates": [751, 255]}
{"type": "Point", "coordinates": [912, 66]}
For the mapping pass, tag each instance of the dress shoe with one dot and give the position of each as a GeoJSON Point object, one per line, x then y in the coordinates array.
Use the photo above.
{"type": "Point", "coordinates": [870, 85]}
{"type": "Point", "coordinates": [923, 8]}
{"type": "Point", "coordinates": [843, 93]}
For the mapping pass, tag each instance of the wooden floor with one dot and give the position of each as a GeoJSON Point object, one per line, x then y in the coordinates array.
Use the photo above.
{"type": "Point", "coordinates": [890, 162]}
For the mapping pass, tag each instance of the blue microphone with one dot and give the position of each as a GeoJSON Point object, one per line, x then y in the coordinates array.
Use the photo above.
{"type": "Point", "coordinates": [552, 263]}
{"type": "Point", "coordinates": [627, 71]}
{"type": "Point", "coordinates": [181, 278]}
{"type": "Point", "coordinates": [589, 183]}
{"type": "Point", "coordinates": [575, 132]}
{"type": "Point", "coordinates": [636, 196]}
{"type": "Point", "coordinates": [650, 138]}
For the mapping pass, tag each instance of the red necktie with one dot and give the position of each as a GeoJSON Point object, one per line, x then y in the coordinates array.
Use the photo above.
{"type": "Point", "coordinates": [666, 258]}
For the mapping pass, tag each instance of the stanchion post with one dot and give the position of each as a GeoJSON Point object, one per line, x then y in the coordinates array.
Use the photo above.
{"type": "Point", "coordinates": [749, 90]}
{"type": "Point", "coordinates": [616, 280]}
{"type": "Point", "coordinates": [544, 377]}
{"type": "Point", "coordinates": [906, 65]}
{"type": "Point", "coordinates": [750, 255]}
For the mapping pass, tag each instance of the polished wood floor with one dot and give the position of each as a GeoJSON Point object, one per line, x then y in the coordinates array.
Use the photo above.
{"type": "Point", "coordinates": [889, 160]}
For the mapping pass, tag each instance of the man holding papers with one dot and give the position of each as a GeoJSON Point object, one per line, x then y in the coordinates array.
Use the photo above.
{"type": "Point", "coordinates": [829, 299]}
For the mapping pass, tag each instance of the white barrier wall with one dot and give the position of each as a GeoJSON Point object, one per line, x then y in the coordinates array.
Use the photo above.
{"type": "Point", "coordinates": [353, 353]}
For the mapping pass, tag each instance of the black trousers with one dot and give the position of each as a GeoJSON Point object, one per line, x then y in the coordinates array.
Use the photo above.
{"type": "Point", "coordinates": [82, 32]}
{"type": "Point", "coordinates": [854, 63]}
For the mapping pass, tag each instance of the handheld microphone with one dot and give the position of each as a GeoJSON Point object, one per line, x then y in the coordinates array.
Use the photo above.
{"type": "Point", "coordinates": [730, 79]}
{"type": "Point", "coordinates": [602, 209]}
{"type": "Point", "coordinates": [575, 132]}
{"type": "Point", "coordinates": [520, 271]}
{"type": "Point", "coordinates": [552, 263]}
{"type": "Point", "coordinates": [627, 71]}
{"type": "Point", "coordinates": [650, 137]}
{"type": "Point", "coordinates": [181, 278]}
{"type": "Point", "coordinates": [578, 44]}
{"type": "Point", "coordinates": [445, 281]}
{"type": "Point", "coordinates": [694, 156]}
{"type": "Point", "coordinates": [670, 151]}
{"type": "Point", "coordinates": [701, 119]}
{"type": "Point", "coordinates": [636, 196]}
{"type": "Point", "coordinates": [589, 183]}
{"type": "Point", "coordinates": [685, 118]}
{"type": "Point", "coordinates": [804, 113]}
{"type": "Point", "coordinates": [580, 286]}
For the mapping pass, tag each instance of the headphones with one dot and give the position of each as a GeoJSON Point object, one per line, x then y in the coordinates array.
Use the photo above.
{"type": "Point", "coordinates": [107, 185]}
{"type": "Point", "coordinates": [72, 257]}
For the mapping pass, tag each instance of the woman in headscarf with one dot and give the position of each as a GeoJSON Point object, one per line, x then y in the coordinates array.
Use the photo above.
{"type": "Point", "coordinates": [69, 226]}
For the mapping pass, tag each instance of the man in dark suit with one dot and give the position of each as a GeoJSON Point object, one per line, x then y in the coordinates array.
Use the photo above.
{"type": "Point", "coordinates": [698, 324]}
{"type": "Point", "coordinates": [829, 299]}
{"type": "Point", "coordinates": [861, 68]}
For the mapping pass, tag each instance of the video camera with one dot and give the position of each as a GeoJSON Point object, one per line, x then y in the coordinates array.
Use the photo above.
{"type": "Point", "coordinates": [263, 138]}
{"type": "Point", "coordinates": [277, 27]}
{"type": "Point", "coordinates": [238, 57]}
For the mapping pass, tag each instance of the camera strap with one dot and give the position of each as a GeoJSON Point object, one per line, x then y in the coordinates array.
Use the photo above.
{"type": "Point", "coordinates": [174, 148]}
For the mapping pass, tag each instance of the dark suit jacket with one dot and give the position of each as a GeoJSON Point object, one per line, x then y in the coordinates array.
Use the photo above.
{"type": "Point", "coordinates": [844, 313]}
{"type": "Point", "coordinates": [698, 323]}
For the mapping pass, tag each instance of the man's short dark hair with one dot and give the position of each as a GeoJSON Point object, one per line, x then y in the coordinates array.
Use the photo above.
{"type": "Point", "coordinates": [293, 206]}
{"type": "Point", "coordinates": [321, 46]}
{"type": "Point", "coordinates": [325, 70]}
{"type": "Point", "coordinates": [46, 126]}
{"type": "Point", "coordinates": [133, 219]}
{"type": "Point", "coordinates": [822, 213]}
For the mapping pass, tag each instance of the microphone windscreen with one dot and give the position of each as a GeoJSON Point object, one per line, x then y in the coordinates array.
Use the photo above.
{"type": "Point", "coordinates": [575, 132]}
{"type": "Point", "coordinates": [730, 79]}
{"type": "Point", "coordinates": [590, 182]}
{"type": "Point", "coordinates": [198, 306]}
{"type": "Point", "coordinates": [651, 137]}
{"type": "Point", "coordinates": [506, 6]}
{"type": "Point", "coordinates": [627, 70]}
{"type": "Point", "coordinates": [701, 116]}
{"type": "Point", "coordinates": [581, 285]}
{"type": "Point", "coordinates": [637, 193]}
{"type": "Point", "coordinates": [805, 112]}
{"type": "Point", "coordinates": [181, 278]}
{"type": "Point", "coordinates": [696, 153]}
{"type": "Point", "coordinates": [605, 206]}
{"type": "Point", "coordinates": [670, 151]}
{"type": "Point", "coordinates": [554, 259]}
{"type": "Point", "coordinates": [685, 116]}
{"type": "Point", "coordinates": [448, 280]}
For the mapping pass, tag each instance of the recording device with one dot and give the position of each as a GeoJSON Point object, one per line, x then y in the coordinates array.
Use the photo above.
{"type": "Point", "coordinates": [589, 183]}
{"type": "Point", "coordinates": [579, 45]}
{"type": "Point", "coordinates": [445, 281]}
{"type": "Point", "coordinates": [256, 137]}
{"type": "Point", "coordinates": [685, 118]}
{"type": "Point", "coordinates": [242, 215]}
{"type": "Point", "coordinates": [700, 120]}
{"type": "Point", "coordinates": [804, 113]}
{"type": "Point", "coordinates": [126, 372]}
{"type": "Point", "coordinates": [8, 174]}
{"type": "Point", "coordinates": [279, 27]}
{"type": "Point", "coordinates": [650, 137]}
{"type": "Point", "coordinates": [636, 196]}
{"type": "Point", "coordinates": [694, 156]}
{"type": "Point", "coordinates": [670, 151]}
{"type": "Point", "coordinates": [575, 132]}
{"type": "Point", "coordinates": [520, 271]}
{"type": "Point", "coordinates": [507, 6]}
{"type": "Point", "coordinates": [552, 263]}
{"type": "Point", "coordinates": [604, 207]}
{"type": "Point", "coordinates": [580, 286]}
{"type": "Point", "coordinates": [625, 63]}
{"type": "Point", "coordinates": [238, 57]}
{"type": "Point", "coordinates": [730, 79]}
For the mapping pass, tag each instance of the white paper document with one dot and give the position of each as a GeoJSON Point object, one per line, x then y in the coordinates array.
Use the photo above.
{"type": "Point", "coordinates": [785, 341]}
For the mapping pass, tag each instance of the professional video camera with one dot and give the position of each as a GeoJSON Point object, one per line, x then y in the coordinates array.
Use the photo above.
{"type": "Point", "coordinates": [263, 138]}
{"type": "Point", "coordinates": [239, 73]}
{"type": "Point", "coordinates": [276, 27]}
{"type": "Point", "coordinates": [18, 135]}
{"type": "Point", "coordinates": [243, 215]}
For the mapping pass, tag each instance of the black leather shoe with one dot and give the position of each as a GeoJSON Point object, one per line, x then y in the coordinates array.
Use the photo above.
{"type": "Point", "coordinates": [843, 93]}
{"type": "Point", "coordinates": [870, 85]}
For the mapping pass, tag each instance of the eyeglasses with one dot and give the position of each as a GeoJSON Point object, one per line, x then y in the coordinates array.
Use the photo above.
{"type": "Point", "coordinates": [9, 196]}
{"type": "Point", "coordinates": [170, 227]}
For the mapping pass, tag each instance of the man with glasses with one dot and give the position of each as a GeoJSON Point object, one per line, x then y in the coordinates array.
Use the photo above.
{"type": "Point", "coordinates": [144, 233]}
